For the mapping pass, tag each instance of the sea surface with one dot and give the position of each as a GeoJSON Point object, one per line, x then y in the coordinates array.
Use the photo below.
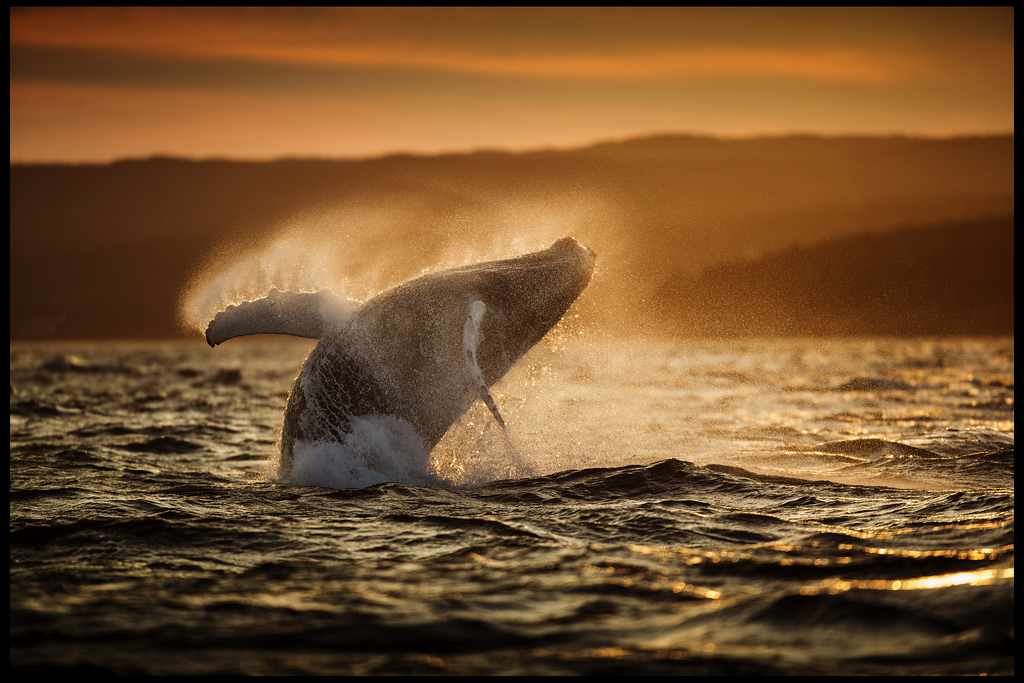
{"type": "Point", "coordinates": [804, 506]}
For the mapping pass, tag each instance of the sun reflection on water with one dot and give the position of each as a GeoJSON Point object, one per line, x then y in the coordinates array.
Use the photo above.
{"type": "Point", "coordinates": [980, 577]}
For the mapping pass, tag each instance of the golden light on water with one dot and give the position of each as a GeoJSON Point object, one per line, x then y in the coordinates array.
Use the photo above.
{"type": "Point", "coordinates": [970, 554]}
{"type": "Point", "coordinates": [980, 577]}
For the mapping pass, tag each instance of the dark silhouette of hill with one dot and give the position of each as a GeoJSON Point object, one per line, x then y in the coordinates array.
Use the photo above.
{"type": "Point", "coordinates": [105, 250]}
{"type": "Point", "coordinates": [953, 278]}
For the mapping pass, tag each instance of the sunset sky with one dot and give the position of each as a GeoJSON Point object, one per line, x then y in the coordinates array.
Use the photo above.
{"type": "Point", "coordinates": [91, 84]}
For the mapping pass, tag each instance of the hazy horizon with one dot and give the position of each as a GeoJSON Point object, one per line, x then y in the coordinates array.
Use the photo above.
{"type": "Point", "coordinates": [540, 149]}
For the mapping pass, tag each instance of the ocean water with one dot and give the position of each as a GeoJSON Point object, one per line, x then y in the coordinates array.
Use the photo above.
{"type": "Point", "coordinates": [740, 507]}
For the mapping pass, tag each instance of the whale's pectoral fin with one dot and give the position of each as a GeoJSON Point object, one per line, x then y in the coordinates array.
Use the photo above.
{"type": "Point", "coordinates": [302, 314]}
{"type": "Point", "coordinates": [471, 337]}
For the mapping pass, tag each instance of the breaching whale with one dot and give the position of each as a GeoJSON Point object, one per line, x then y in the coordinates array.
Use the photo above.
{"type": "Point", "coordinates": [421, 352]}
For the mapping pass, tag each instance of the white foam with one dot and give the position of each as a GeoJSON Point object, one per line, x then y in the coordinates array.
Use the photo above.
{"type": "Point", "coordinates": [380, 448]}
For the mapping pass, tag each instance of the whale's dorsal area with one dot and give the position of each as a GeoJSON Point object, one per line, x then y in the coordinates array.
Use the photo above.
{"type": "Point", "coordinates": [421, 352]}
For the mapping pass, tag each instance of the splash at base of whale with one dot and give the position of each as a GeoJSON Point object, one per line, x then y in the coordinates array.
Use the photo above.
{"type": "Point", "coordinates": [420, 353]}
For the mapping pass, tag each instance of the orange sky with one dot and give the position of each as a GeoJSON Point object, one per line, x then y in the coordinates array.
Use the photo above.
{"type": "Point", "coordinates": [92, 84]}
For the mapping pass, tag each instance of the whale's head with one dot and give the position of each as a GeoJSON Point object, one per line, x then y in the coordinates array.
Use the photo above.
{"type": "Point", "coordinates": [575, 260]}
{"type": "Point", "coordinates": [541, 282]}
{"type": "Point", "coordinates": [573, 249]}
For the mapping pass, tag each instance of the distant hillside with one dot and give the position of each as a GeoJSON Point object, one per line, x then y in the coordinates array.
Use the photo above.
{"type": "Point", "coordinates": [949, 279]}
{"type": "Point", "coordinates": [105, 250]}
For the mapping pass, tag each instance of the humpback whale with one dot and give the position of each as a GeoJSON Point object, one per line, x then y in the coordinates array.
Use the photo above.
{"type": "Point", "coordinates": [421, 352]}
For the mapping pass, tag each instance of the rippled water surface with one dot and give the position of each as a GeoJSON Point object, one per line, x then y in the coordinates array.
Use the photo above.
{"type": "Point", "coordinates": [761, 507]}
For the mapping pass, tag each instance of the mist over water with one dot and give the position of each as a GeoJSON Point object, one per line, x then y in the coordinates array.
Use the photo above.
{"type": "Point", "coordinates": [359, 250]}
